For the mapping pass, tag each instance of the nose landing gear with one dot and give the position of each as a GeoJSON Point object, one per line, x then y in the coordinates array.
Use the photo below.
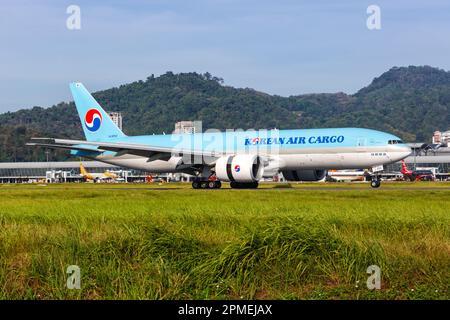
{"type": "Point", "coordinates": [376, 182]}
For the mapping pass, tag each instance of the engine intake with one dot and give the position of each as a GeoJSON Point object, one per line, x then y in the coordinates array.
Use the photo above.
{"type": "Point", "coordinates": [304, 175]}
{"type": "Point", "coordinates": [239, 168]}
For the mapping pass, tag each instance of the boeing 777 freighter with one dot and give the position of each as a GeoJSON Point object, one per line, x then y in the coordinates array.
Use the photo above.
{"type": "Point", "coordinates": [238, 157]}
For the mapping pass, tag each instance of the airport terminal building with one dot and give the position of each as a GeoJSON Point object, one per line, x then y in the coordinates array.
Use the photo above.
{"type": "Point", "coordinates": [63, 171]}
{"type": "Point", "coordinates": [69, 171]}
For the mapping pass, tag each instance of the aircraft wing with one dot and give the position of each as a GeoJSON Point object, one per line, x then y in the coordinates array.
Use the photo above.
{"type": "Point", "coordinates": [152, 152]}
{"type": "Point", "coordinates": [66, 147]}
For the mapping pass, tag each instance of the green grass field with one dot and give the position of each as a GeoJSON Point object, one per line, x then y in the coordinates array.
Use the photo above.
{"type": "Point", "coordinates": [311, 241]}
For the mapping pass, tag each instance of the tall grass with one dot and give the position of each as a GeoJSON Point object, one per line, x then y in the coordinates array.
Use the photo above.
{"type": "Point", "coordinates": [132, 242]}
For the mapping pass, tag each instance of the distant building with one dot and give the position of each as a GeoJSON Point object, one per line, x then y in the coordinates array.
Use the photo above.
{"type": "Point", "coordinates": [188, 127]}
{"type": "Point", "coordinates": [436, 137]}
{"type": "Point", "coordinates": [116, 117]}
{"type": "Point", "coordinates": [441, 137]}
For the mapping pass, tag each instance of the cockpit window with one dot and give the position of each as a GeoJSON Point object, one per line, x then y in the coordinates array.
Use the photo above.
{"type": "Point", "coordinates": [395, 142]}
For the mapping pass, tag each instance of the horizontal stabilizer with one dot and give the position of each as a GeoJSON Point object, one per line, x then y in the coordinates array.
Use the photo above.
{"type": "Point", "coordinates": [66, 147]}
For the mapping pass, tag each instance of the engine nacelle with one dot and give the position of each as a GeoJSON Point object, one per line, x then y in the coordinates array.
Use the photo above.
{"type": "Point", "coordinates": [304, 175]}
{"type": "Point", "coordinates": [239, 168]}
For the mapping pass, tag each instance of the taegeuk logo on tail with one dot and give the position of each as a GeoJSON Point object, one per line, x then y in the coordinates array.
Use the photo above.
{"type": "Point", "coordinates": [93, 120]}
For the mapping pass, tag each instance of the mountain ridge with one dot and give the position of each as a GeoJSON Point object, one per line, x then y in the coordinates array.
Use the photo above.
{"type": "Point", "coordinates": [410, 102]}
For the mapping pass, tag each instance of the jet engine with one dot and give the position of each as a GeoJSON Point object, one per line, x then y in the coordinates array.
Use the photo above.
{"type": "Point", "coordinates": [304, 175]}
{"type": "Point", "coordinates": [240, 168]}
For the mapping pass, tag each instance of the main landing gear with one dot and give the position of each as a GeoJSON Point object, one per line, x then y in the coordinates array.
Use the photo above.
{"type": "Point", "coordinates": [206, 184]}
{"type": "Point", "coordinates": [216, 184]}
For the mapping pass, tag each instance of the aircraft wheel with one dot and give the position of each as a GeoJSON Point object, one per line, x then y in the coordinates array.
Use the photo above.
{"type": "Point", "coordinates": [195, 185]}
{"type": "Point", "coordinates": [212, 185]}
{"type": "Point", "coordinates": [218, 184]}
{"type": "Point", "coordinates": [204, 184]}
{"type": "Point", "coordinates": [375, 183]}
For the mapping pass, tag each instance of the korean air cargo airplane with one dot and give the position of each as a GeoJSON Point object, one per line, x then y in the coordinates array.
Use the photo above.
{"type": "Point", "coordinates": [239, 157]}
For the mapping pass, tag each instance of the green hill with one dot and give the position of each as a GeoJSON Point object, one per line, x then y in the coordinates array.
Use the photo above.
{"type": "Point", "coordinates": [411, 102]}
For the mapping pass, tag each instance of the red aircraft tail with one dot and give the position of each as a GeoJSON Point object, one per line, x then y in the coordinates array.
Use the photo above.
{"type": "Point", "coordinates": [405, 170]}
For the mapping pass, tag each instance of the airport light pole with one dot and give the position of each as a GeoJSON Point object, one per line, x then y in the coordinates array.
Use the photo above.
{"type": "Point", "coordinates": [46, 153]}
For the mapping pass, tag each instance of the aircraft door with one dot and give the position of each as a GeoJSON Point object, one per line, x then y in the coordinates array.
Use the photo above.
{"type": "Point", "coordinates": [361, 144]}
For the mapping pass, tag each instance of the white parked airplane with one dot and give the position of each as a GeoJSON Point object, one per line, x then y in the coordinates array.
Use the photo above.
{"type": "Point", "coordinates": [240, 157]}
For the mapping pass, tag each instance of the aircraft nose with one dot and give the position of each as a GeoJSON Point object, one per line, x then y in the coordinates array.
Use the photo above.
{"type": "Point", "coordinates": [402, 152]}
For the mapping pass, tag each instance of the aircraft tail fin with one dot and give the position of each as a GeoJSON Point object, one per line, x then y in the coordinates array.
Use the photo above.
{"type": "Point", "coordinates": [83, 170]}
{"type": "Point", "coordinates": [96, 123]}
{"type": "Point", "coordinates": [404, 168]}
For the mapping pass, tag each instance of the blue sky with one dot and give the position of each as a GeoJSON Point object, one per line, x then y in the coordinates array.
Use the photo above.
{"type": "Point", "coordinates": [279, 47]}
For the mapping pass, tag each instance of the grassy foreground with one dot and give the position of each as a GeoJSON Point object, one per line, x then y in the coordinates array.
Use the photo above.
{"type": "Point", "coordinates": [172, 242]}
